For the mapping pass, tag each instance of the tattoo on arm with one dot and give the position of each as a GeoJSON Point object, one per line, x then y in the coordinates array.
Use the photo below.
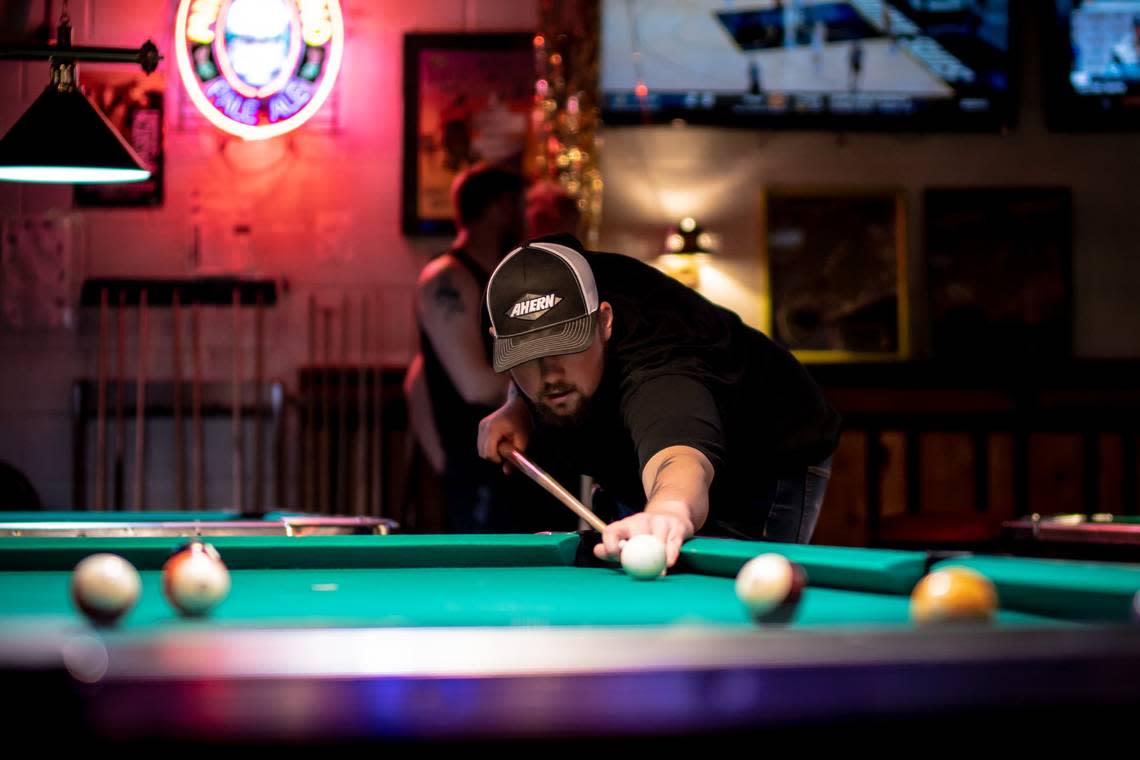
{"type": "Point", "coordinates": [657, 478]}
{"type": "Point", "coordinates": [447, 296]}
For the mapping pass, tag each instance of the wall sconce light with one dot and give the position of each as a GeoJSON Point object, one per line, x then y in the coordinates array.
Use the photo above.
{"type": "Point", "coordinates": [685, 246]}
{"type": "Point", "coordinates": [63, 137]}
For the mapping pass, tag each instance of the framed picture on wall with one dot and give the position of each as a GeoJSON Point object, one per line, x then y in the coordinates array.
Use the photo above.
{"type": "Point", "coordinates": [836, 278]}
{"type": "Point", "coordinates": [467, 98]}
{"type": "Point", "coordinates": [998, 271]}
{"type": "Point", "coordinates": [133, 102]}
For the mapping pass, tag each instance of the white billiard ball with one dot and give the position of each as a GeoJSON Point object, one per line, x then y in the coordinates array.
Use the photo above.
{"type": "Point", "coordinates": [105, 587]}
{"type": "Point", "coordinates": [643, 556]}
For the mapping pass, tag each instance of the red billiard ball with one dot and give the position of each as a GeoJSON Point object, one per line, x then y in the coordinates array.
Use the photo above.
{"type": "Point", "coordinates": [105, 587]}
{"type": "Point", "coordinates": [194, 579]}
{"type": "Point", "coordinates": [770, 587]}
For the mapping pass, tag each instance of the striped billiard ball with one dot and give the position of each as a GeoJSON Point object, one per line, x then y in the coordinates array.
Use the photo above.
{"type": "Point", "coordinates": [194, 579]}
{"type": "Point", "coordinates": [770, 587]}
{"type": "Point", "coordinates": [953, 595]}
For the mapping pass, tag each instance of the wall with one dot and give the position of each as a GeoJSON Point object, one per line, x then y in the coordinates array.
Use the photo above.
{"type": "Point", "coordinates": [654, 176]}
{"type": "Point", "coordinates": [324, 211]}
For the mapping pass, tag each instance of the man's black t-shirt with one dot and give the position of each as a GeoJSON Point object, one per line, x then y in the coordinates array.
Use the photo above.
{"type": "Point", "coordinates": [680, 370]}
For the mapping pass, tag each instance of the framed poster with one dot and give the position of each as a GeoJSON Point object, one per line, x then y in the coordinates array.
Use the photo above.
{"type": "Point", "coordinates": [836, 277]}
{"type": "Point", "coordinates": [999, 271]}
{"type": "Point", "coordinates": [467, 98]}
{"type": "Point", "coordinates": [133, 103]}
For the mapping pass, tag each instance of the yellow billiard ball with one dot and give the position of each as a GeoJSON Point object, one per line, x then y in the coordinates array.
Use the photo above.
{"type": "Point", "coordinates": [953, 594]}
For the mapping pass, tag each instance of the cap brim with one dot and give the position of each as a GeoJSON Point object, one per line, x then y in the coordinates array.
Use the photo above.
{"type": "Point", "coordinates": [568, 337]}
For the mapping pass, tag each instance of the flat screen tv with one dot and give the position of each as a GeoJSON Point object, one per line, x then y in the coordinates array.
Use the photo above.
{"type": "Point", "coordinates": [1093, 65]}
{"type": "Point", "coordinates": [942, 65]}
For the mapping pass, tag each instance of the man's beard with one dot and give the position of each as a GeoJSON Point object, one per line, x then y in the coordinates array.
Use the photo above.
{"type": "Point", "coordinates": [576, 419]}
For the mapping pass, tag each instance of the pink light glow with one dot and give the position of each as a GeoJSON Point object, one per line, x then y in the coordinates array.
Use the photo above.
{"type": "Point", "coordinates": [259, 131]}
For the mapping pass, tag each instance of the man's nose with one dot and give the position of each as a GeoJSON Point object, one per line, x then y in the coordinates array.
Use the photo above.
{"type": "Point", "coordinates": [550, 366]}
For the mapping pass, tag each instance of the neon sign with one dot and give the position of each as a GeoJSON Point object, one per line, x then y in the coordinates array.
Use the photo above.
{"type": "Point", "coordinates": [259, 68]}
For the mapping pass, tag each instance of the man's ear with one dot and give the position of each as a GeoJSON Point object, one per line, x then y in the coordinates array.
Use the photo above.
{"type": "Point", "coordinates": [606, 319]}
{"type": "Point", "coordinates": [505, 207]}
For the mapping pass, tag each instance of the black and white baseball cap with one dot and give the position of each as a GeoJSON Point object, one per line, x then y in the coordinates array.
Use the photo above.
{"type": "Point", "coordinates": [542, 300]}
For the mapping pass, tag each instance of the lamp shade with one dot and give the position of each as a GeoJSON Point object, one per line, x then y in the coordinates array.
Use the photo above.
{"type": "Point", "coordinates": [64, 138]}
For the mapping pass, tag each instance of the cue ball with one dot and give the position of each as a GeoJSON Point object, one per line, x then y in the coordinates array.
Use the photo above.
{"type": "Point", "coordinates": [953, 595]}
{"type": "Point", "coordinates": [105, 587]}
{"type": "Point", "coordinates": [194, 579]}
{"type": "Point", "coordinates": [643, 556]}
{"type": "Point", "coordinates": [770, 587]}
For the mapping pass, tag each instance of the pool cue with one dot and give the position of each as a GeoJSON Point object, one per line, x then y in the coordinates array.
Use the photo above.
{"type": "Point", "coordinates": [258, 398]}
{"type": "Point", "coordinates": [176, 402]}
{"type": "Point", "coordinates": [535, 473]}
{"type": "Point", "coordinates": [140, 403]}
{"type": "Point", "coordinates": [326, 403]}
{"type": "Point", "coordinates": [376, 507]}
{"type": "Point", "coordinates": [199, 449]}
{"type": "Point", "coordinates": [235, 404]}
{"type": "Point", "coordinates": [101, 403]}
{"type": "Point", "coordinates": [585, 492]}
{"type": "Point", "coordinates": [120, 380]}
{"type": "Point", "coordinates": [142, 351]}
{"type": "Point", "coordinates": [279, 412]}
{"type": "Point", "coordinates": [343, 492]}
{"type": "Point", "coordinates": [309, 415]}
{"type": "Point", "coordinates": [362, 471]}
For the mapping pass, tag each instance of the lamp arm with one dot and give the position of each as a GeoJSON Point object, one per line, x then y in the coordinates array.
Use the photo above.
{"type": "Point", "coordinates": [146, 56]}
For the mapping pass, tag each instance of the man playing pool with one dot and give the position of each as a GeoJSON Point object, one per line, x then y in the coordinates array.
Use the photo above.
{"type": "Point", "coordinates": [687, 419]}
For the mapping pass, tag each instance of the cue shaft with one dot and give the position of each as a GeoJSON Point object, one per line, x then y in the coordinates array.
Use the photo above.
{"type": "Point", "coordinates": [140, 402]}
{"type": "Point", "coordinates": [326, 404]}
{"type": "Point", "coordinates": [199, 449]}
{"type": "Point", "coordinates": [535, 473]}
{"type": "Point", "coordinates": [179, 435]}
{"type": "Point", "coordinates": [361, 506]}
{"type": "Point", "coordinates": [101, 403]}
{"type": "Point", "coordinates": [235, 403]}
{"type": "Point", "coordinates": [120, 381]}
{"type": "Point", "coordinates": [376, 505]}
{"type": "Point", "coordinates": [343, 492]}
{"type": "Point", "coordinates": [309, 417]}
{"type": "Point", "coordinates": [258, 394]}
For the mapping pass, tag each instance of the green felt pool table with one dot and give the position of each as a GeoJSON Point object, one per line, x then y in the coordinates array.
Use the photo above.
{"type": "Point", "coordinates": [352, 637]}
